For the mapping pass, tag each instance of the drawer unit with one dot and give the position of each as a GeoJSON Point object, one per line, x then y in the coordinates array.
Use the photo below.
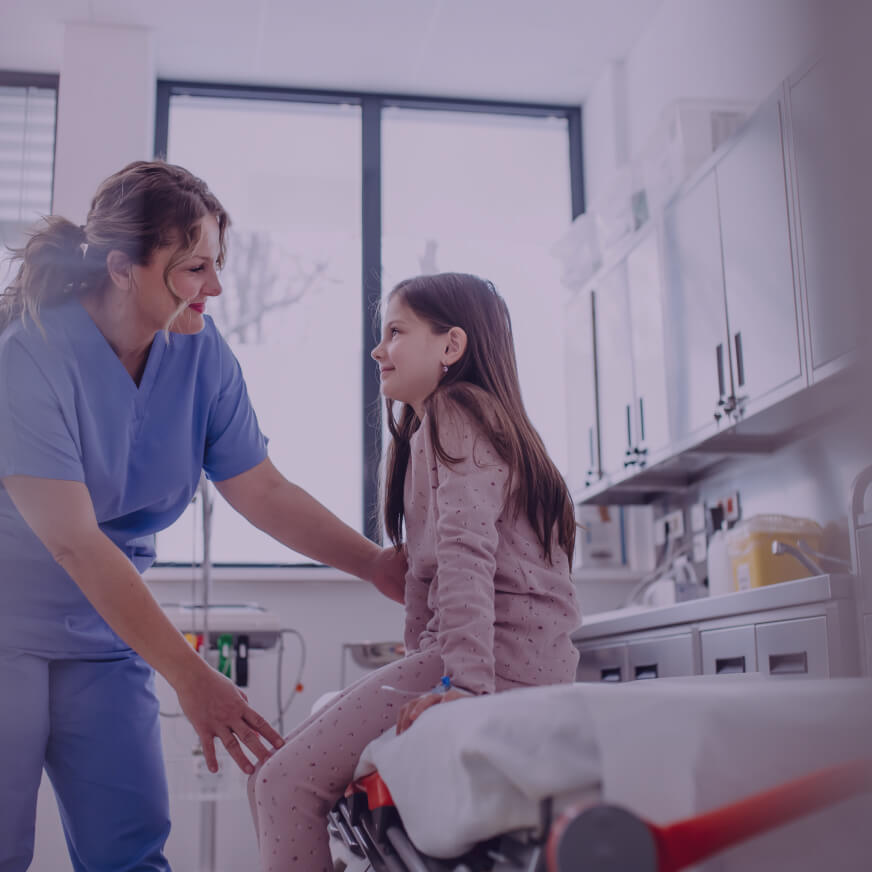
{"type": "Point", "coordinates": [733, 649]}
{"type": "Point", "coordinates": [796, 647]}
{"type": "Point", "coordinates": [602, 663]}
{"type": "Point", "coordinates": [661, 657]}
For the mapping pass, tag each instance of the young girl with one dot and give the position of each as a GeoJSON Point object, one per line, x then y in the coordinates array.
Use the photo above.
{"type": "Point", "coordinates": [489, 532]}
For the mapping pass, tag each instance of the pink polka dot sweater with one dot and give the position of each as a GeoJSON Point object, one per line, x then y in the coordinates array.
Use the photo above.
{"type": "Point", "coordinates": [479, 589]}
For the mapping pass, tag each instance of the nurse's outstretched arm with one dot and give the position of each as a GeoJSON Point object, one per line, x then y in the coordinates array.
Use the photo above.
{"type": "Point", "coordinates": [296, 519]}
{"type": "Point", "coordinates": [62, 516]}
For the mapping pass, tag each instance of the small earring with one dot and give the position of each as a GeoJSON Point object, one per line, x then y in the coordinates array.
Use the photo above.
{"type": "Point", "coordinates": [444, 367]}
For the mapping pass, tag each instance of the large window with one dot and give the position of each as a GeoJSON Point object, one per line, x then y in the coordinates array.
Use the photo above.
{"type": "Point", "coordinates": [28, 108]}
{"type": "Point", "coordinates": [486, 194]}
{"type": "Point", "coordinates": [289, 175]}
{"type": "Point", "coordinates": [334, 198]}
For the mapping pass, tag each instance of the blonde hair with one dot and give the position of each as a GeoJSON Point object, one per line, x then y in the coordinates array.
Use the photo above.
{"type": "Point", "coordinates": [143, 207]}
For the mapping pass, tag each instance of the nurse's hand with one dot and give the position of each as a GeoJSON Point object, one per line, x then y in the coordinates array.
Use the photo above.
{"type": "Point", "coordinates": [388, 572]}
{"type": "Point", "coordinates": [217, 708]}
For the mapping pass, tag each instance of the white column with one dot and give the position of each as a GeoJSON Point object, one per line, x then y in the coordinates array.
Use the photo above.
{"type": "Point", "coordinates": [105, 110]}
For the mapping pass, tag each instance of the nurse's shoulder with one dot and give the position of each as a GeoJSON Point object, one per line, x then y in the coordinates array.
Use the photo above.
{"type": "Point", "coordinates": [44, 344]}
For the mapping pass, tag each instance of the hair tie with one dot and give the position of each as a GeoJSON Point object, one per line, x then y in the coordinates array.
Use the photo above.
{"type": "Point", "coordinates": [83, 246]}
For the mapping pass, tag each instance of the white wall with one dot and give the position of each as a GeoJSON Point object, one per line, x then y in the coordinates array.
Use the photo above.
{"type": "Point", "coordinates": [699, 49]}
{"type": "Point", "coordinates": [105, 110]}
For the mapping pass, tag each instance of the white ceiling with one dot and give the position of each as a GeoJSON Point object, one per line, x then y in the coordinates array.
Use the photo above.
{"type": "Point", "coordinates": [530, 50]}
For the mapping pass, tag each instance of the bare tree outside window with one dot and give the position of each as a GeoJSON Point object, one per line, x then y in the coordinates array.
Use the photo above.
{"type": "Point", "coordinates": [262, 278]}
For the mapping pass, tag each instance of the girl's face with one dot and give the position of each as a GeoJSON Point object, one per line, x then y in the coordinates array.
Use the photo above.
{"type": "Point", "coordinates": [194, 280]}
{"type": "Point", "coordinates": [410, 356]}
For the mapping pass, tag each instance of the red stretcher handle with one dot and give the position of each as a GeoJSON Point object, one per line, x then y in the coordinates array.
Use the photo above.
{"type": "Point", "coordinates": [377, 793]}
{"type": "Point", "coordinates": [685, 842]}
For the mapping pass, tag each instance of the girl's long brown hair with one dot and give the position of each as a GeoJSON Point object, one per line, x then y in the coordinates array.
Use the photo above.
{"type": "Point", "coordinates": [484, 384]}
{"type": "Point", "coordinates": [145, 206]}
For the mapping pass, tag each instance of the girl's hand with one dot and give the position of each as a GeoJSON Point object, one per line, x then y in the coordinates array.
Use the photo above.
{"type": "Point", "coordinates": [413, 709]}
{"type": "Point", "coordinates": [217, 708]}
{"type": "Point", "coordinates": [388, 572]}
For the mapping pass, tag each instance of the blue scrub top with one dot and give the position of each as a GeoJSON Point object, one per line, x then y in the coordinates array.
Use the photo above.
{"type": "Point", "coordinates": [70, 410]}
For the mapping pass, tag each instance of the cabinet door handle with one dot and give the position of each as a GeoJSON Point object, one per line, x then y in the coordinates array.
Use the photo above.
{"type": "Point", "coordinates": [649, 671]}
{"type": "Point", "coordinates": [590, 446]}
{"type": "Point", "coordinates": [629, 431]}
{"type": "Point", "coordinates": [719, 353]}
{"type": "Point", "coordinates": [642, 418]}
{"type": "Point", "coordinates": [788, 664]}
{"type": "Point", "coordinates": [740, 362]}
{"type": "Point", "coordinates": [723, 665]}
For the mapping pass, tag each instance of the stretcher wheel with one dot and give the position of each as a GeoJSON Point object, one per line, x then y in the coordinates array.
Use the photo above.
{"type": "Point", "coordinates": [601, 838]}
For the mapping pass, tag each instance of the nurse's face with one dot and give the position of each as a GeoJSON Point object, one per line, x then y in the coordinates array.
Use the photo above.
{"type": "Point", "coordinates": [191, 282]}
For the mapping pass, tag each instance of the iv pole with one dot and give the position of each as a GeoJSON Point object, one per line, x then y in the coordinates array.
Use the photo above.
{"type": "Point", "coordinates": [208, 807]}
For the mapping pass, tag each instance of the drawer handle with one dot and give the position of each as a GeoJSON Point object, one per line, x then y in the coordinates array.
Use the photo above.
{"type": "Point", "coordinates": [788, 664]}
{"type": "Point", "coordinates": [727, 665]}
{"type": "Point", "coordinates": [646, 671]}
{"type": "Point", "coordinates": [613, 673]}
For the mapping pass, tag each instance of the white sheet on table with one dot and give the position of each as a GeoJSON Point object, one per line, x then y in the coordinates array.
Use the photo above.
{"type": "Point", "coordinates": [668, 748]}
{"type": "Point", "coordinates": [473, 768]}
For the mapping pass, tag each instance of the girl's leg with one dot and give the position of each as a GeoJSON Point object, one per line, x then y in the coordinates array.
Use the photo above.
{"type": "Point", "coordinates": [299, 784]}
{"type": "Point", "coordinates": [105, 762]}
{"type": "Point", "coordinates": [24, 726]}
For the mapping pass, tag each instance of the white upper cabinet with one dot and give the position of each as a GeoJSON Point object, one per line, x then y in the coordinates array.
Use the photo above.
{"type": "Point", "coordinates": [649, 357]}
{"type": "Point", "coordinates": [584, 468]}
{"type": "Point", "coordinates": [831, 276]}
{"type": "Point", "coordinates": [633, 405]}
{"type": "Point", "coordinates": [697, 342]}
{"type": "Point", "coordinates": [762, 310]}
{"type": "Point", "coordinates": [615, 372]}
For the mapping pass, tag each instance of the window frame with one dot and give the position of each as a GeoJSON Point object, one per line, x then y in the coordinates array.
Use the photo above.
{"type": "Point", "coordinates": [371, 105]}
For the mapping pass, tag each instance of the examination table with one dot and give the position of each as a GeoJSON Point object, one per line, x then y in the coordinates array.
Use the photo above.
{"type": "Point", "coordinates": [622, 778]}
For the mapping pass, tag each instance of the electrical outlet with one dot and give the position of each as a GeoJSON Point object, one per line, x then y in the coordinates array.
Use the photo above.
{"type": "Point", "coordinates": [731, 506]}
{"type": "Point", "coordinates": [675, 523]}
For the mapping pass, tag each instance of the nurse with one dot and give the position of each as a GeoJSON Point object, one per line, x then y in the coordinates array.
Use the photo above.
{"type": "Point", "coordinates": [115, 392]}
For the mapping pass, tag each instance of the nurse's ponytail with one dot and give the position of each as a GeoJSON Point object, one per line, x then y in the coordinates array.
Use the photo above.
{"type": "Point", "coordinates": [145, 206]}
{"type": "Point", "coordinates": [53, 264]}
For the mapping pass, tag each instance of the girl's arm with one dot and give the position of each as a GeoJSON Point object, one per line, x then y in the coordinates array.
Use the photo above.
{"type": "Point", "coordinates": [62, 515]}
{"type": "Point", "coordinates": [289, 514]}
{"type": "Point", "coordinates": [418, 613]}
{"type": "Point", "coordinates": [469, 501]}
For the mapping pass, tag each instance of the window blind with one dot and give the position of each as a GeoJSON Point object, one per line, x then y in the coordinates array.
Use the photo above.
{"type": "Point", "coordinates": [27, 140]}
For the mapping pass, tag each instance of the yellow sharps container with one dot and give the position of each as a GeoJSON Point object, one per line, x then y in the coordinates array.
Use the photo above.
{"type": "Point", "coordinates": [749, 547]}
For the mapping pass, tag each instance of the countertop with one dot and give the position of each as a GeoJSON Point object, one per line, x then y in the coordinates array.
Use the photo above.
{"type": "Point", "coordinates": [775, 596]}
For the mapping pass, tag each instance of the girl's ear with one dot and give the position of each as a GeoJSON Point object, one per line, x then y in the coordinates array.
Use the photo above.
{"type": "Point", "coordinates": [455, 345]}
{"type": "Point", "coordinates": [119, 267]}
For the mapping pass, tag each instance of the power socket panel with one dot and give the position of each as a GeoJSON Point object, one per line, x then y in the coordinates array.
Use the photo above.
{"type": "Point", "coordinates": [675, 524]}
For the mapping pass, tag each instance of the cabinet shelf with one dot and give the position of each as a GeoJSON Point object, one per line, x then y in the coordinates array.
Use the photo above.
{"type": "Point", "coordinates": [771, 428]}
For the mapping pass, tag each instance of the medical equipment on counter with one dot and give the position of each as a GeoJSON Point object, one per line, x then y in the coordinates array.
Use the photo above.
{"type": "Point", "coordinates": [219, 619]}
{"type": "Point", "coordinates": [754, 560]}
{"type": "Point", "coordinates": [675, 567]}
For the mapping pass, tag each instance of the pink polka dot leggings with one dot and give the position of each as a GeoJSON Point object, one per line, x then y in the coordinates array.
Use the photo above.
{"type": "Point", "coordinates": [291, 793]}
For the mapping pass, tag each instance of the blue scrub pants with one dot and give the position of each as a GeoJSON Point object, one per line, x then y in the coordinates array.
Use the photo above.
{"type": "Point", "coordinates": [93, 724]}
